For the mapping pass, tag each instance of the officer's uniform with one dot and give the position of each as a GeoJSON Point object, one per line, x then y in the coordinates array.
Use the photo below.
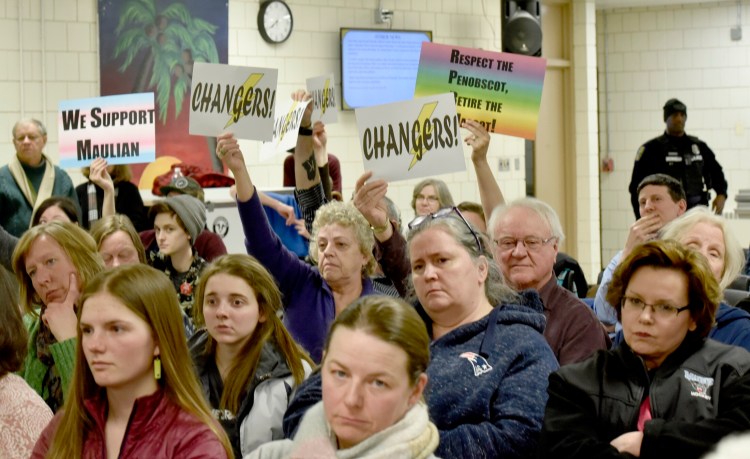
{"type": "Point", "coordinates": [687, 159]}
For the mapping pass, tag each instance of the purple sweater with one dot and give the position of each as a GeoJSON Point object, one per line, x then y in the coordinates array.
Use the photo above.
{"type": "Point", "coordinates": [309, 307]}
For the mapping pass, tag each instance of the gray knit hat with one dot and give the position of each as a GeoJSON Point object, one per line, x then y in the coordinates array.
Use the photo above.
{"type": "Point", "coordinates": [191, 211]}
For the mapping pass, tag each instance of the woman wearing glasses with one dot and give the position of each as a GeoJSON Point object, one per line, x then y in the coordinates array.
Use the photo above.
{"type": "Point", "coordinates": [667, 391]}
{"type": "Point", "coordinates": [341, 243]}
{"type": "Point", "coordinates": [489, 360]}
{"type": "Point", "coordinates": [429, 195]}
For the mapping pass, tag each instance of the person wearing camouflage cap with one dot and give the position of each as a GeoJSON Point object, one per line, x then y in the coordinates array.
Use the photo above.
{"type": "Point", "coordinates": [183, 185]}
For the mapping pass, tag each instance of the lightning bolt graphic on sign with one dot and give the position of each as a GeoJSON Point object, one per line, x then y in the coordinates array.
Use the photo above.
{"type": "Point", "coordinates": [287, 120]}
{"type": "Point", "coordinates": [424, 115]}
{"type": "Point", "coordinates": [325, 95]}
{"type": "Point", "coordinates": [251, 81]}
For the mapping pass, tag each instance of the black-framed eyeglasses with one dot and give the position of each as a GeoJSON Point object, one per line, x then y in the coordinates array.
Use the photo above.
{"type": "Point", "coordinates": [444, 213]}
{"type": "Point", "coordinates": [662, 310]}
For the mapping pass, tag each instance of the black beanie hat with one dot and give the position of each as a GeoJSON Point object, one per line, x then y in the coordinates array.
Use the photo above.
{"type": "Point", "coordinates": [674, 106]}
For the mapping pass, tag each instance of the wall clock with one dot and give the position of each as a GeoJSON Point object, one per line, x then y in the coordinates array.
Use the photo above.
{"type": "Point", "coordinates": [275, 21]}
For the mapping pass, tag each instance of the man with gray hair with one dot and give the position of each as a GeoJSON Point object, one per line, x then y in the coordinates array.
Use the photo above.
{"type": "Point", "coordinates": [29, 178]}
{"type": "Point", "coordinates": [526, 235]}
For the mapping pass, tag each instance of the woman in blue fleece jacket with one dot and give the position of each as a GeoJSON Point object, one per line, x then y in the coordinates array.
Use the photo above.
{"type": "Point", "coordinates": [489, 361]}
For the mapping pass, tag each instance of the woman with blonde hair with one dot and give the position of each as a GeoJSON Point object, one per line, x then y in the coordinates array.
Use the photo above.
{"type": "Point", "coordinates": [489, 361]}
{"type": "Point", "coordinates": [701, 229]}
{"type": "Point", "coordinates": [341, 243]}
{"type": "Point", "coordinates": [134, 392]}
{"type": "Point", "coordinates": [52, 263]}
{"type": "Point", "coordinates": [118, 241]}
{"type": "Point", "coordinates": [247, 361]}
{"type": "Point", "coordinates": [373, 375]}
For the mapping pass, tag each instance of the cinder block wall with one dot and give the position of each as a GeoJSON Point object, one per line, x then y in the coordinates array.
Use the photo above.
{"type": "Point", "coordinates": [656, 53]}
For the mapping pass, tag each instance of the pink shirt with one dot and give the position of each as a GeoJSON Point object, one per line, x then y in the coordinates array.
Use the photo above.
{"type": "Point", "coordinates": [23, 417]}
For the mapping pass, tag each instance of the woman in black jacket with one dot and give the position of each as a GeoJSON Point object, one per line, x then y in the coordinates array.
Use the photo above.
{"type": "Point", "coordinates": [667, 391]}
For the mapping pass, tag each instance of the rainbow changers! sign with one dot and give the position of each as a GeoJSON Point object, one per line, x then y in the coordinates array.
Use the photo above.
{"type": "Point", "coordinates": [502, 91]}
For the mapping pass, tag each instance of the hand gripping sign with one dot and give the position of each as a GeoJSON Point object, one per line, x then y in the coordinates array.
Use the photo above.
{"type": "Point", "coordinates": [411, 139]}
{"type": "Point", "coordinates": [285, 128]}
{"type": "Point", "coordinates": [235, 99]}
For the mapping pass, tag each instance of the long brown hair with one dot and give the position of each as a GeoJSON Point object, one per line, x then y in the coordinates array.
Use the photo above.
{"type": "Point", "coordinates": [268, 296]}
{"type": "Point", "coordinates": [13, 334]}
{"type": "Point", "coordinates": [150, 295]}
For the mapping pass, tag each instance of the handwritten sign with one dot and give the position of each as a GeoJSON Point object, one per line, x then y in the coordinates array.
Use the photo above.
{"type": "Point", "coordinates": [285, 129]}
{"type": "Point", "coordinates": [120, 129]}
{"type": "Point", "coordinates": [502, 91]}
{"type": "Point", "coordinates": [411, 139]}
{"type": "Point", "coordinates": [231, 98]}
{"type": "Point", "coordinates": [323, 91]}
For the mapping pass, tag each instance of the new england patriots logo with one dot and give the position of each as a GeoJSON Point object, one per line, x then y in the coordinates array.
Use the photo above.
{"type": "Point", "coordinates": [478, 362]}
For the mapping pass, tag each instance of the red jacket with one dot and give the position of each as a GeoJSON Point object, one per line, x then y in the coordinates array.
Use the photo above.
{"type": "Point", "coordinates": [158, 428]}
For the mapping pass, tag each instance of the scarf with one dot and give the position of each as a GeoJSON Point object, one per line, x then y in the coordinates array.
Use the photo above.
{"type": "Point", "coordinates": [92, 203]}
{"type": "Point", "coordinates": [51, 384]}
{"type": "Point", "coordinates": [413, 437]}
{"type": "Point", "coordinates": [34, 197]}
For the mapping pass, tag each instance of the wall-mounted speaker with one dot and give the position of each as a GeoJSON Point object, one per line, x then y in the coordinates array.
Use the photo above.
{"type": "Point", "coordinates": [522, 27]}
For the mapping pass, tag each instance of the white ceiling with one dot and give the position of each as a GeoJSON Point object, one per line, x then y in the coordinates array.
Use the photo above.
{"type": "Point", "coordinates": [608, 4]}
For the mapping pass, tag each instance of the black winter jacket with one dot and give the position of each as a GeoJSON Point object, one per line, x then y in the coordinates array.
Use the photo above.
{"type": "Point", "coordinates": [699, 394]}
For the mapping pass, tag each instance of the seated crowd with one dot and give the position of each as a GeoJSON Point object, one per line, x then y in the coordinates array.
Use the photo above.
{"type": "Point", "coordinates": [446, 337]}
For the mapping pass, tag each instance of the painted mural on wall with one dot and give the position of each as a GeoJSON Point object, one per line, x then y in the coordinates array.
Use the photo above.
{"type": "Point", "coordinates": [150, 46]}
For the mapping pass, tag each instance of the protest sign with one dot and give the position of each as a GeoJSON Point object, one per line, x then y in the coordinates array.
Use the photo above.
{"type": "Point", "coordinates": [411, 139]}
{"type": "Point", "coordinates": [231, 98]}
{"type": "Point", "coordinates": [285, 129]}
{"type": "Point", "coordinates": [120, 129]}
{"type": "Point", "coordinates": [323, 92]}
{"type": "Point", "coordinates": [502, 91]}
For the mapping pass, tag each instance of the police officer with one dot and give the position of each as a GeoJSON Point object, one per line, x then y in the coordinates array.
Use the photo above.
{"type": "Point", "coordinates": [684, 157]}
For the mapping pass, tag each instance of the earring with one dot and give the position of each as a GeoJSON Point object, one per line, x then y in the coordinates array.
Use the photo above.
{"type": "Point", "coordinates": [157, 368]}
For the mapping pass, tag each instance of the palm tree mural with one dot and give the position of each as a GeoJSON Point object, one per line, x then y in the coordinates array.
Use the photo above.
{"type": "Point", "coordinates": [168, 42]}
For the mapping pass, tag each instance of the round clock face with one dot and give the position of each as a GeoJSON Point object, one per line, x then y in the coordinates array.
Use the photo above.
{"type": "Point", "coordinates": [275, 21]}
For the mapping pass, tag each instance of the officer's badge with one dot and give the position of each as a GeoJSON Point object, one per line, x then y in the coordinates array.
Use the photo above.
{"type": "Point", "coordinates": [696, 150]}
{"type": "Point", "coordinates": [639, 153]}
